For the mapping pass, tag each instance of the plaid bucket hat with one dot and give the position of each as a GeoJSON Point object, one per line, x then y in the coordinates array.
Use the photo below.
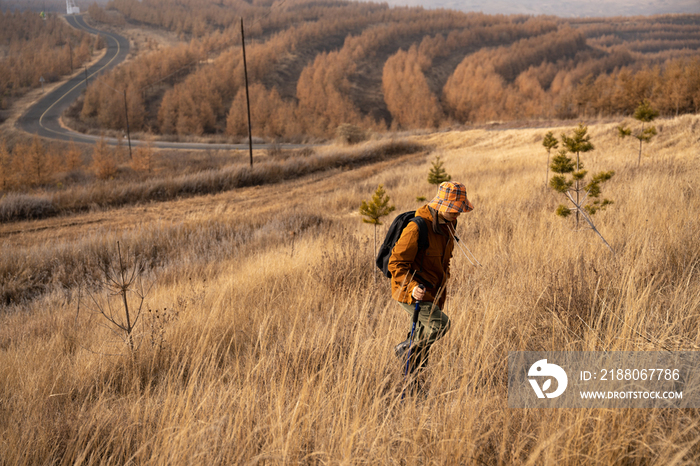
{"type": "Point", "coordinates": [451, 198]}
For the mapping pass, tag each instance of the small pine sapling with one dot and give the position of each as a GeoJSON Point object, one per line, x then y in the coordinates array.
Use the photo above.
{"type": "Point", "coordinates": [579, 142]}
{"type": "Point", "coordinates": [549, 142]}
{"type": "Point", "coordinates": [594, 191]}
{"type": "Point", "coordinates": [570, 180]}
{"type": "Point", "coordinates": [644, 114]}
{"type": "Point", "coordinates": [374, 210]}
{"type": "Point", "coordinates": [437, 174]}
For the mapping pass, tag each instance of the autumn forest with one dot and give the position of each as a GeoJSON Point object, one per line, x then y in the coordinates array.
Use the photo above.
{"type": "Point", "coordinates": [32, 48]}
{"type": "Point", "coordinates": [313, 66]}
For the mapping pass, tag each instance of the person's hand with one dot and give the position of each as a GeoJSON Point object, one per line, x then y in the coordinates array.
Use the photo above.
{"type": "Point", "coordinates": [418, 292]}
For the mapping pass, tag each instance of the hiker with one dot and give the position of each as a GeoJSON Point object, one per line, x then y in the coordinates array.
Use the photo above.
{"type": "Point", "coordinates": [411, 267]}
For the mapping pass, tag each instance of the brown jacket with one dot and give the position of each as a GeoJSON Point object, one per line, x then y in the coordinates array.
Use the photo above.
{"type": "Point", "coordinates": [431, 267]}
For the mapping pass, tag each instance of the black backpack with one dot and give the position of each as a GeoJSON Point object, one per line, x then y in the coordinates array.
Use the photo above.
{"type": "Point", "coordinates": [393, 235]}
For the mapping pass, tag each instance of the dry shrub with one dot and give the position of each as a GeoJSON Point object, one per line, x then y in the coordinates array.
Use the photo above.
{"type": "Point", "coordinates": [104, 163]}
{"type": "Point", "coordinates": [143, 159]}
{"type": "Point", "coordinates": [350, 134]}
{"type": "Point", "coordinates": [27, 273]}
{"type": "Point", "coordinates": [115, 193]}
{"type": "Point", "coordinates": [18, 206]}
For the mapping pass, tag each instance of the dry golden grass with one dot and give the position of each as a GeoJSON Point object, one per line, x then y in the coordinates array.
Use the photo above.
{"type": "Point", "coordinates": [278, 347]}
{"type": "Point", "coordinates": [109, 191]}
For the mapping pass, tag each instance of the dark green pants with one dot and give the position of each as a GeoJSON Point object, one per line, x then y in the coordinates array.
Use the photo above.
{"type": "Point", "coordinates": [431, 326]}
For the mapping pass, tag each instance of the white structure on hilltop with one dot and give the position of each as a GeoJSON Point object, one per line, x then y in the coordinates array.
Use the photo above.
{"type": "Point", "coordinates": [72, 9]}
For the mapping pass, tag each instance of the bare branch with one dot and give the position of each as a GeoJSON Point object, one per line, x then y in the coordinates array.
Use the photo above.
{"type": "Point", "coordinates": [122, 295]}
{"type": "Point", "coordinates": [589, 221]}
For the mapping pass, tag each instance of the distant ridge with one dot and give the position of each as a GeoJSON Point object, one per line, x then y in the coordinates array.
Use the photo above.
{"type": "Point", "coordinates": [564, 9]}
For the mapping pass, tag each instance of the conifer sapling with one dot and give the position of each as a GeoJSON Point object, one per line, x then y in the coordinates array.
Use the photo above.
{"type": "Point", "coordinates": [645, 114]}
{"type": "Point", "coordinates": [549, 142]}
{"type": "Point", "coordinates": [579, 142]}
{"type": "Point", "coordinates": [437, 174]}
{"type": "Point", "coordinates": [374, 210]}
{"type": "Point", "coordinates": [570, 180]}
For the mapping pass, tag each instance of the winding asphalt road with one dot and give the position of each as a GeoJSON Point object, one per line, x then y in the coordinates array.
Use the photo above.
{"type": "Point", "coordinates": [42, 118]}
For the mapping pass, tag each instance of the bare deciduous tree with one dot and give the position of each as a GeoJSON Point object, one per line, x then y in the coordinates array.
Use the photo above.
{"type": "Point", "coordinates": [120, 294]}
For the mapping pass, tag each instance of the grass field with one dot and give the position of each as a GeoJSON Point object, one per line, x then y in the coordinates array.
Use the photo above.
{"type": "Point", "coordinates": [266, 340]}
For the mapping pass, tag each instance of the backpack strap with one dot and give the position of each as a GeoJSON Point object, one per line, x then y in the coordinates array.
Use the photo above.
{"type": "Point", "coordinates": [423, 243]}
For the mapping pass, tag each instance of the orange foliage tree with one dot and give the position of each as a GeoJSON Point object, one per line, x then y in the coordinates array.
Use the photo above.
{"type": "Point", "coordinates": [406, 91]}
{"type": "Point", "coordinates": [73, 158]}
{"type": "Point", "coordinates": [314, 66]}
{"type": "Point", "coordinates": [322, 91]}
{"type": "Point", "coordinates": [31, 48]}
{"type": "Point", "coordinates": [474, 92]}
{"type": "Point", "coordinates": [104, 163]}
{"type": "Point", "coordinates": [270, 115]}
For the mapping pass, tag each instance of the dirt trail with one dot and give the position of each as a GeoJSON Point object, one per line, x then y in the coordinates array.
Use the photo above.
{"type": "Point", "coordinates": [258, 199]}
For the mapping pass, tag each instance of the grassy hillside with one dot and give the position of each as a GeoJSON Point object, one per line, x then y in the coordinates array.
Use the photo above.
{"type": "Point", "coordinates": [265, 339]}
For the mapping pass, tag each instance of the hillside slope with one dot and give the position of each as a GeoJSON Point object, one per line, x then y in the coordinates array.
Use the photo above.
{"type": "Point", "coordinates": [265, 336]}
{"type": "Point", "coordinates": [316, 65]}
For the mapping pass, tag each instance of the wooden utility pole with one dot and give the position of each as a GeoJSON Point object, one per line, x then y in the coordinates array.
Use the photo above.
{"type": "Point", "coordinates": [247, 96]}
{"type": "Point", "coordinates": [126, 115]}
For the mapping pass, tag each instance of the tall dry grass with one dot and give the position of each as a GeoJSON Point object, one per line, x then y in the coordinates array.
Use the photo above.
{"type": "Point", "coordinates": [269, 170]}
{"type": "Point", "coordinates": [278, 347]}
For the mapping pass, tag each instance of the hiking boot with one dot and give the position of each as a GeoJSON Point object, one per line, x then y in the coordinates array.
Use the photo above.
{"type": "Point", "coordinates": [401, 350]}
